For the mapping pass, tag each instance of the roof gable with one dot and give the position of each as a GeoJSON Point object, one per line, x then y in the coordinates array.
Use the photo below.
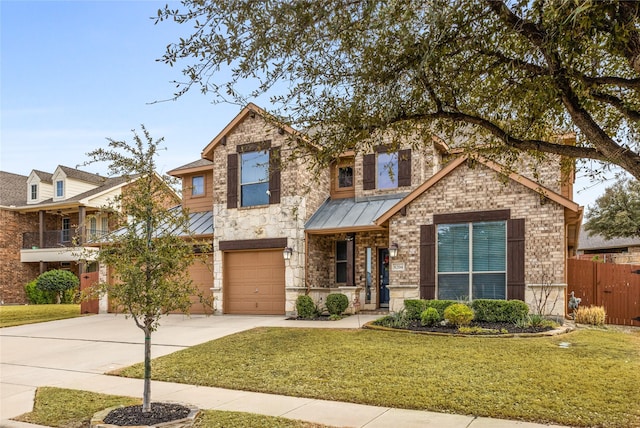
{"type": "Point", "coordinates": [207, 152]}
{"type": "Point", "coordinates": [424, 187]}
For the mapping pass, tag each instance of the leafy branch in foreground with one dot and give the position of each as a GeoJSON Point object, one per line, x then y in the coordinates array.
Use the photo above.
{"type": "Point", "coordinates": [494, 76]}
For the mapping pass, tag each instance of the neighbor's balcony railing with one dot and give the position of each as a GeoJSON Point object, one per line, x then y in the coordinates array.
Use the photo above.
{"type": "Point", "coordinates": [57, 238]}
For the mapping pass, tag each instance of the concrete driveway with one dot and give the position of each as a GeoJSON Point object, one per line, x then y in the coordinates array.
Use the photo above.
{"type": "Point", "coordinates": [73, 351]}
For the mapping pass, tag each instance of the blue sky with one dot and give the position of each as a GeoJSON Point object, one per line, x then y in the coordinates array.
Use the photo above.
{"type": "Point", "coordinates": [73, 73]}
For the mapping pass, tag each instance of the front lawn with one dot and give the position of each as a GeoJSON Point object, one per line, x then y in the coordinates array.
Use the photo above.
{"type": "Point", "coordinates": [592, 381]}
{"type": "Point", "coordinates": [29, 314]}
{"type": "Point", "coordinates": [70, 408]}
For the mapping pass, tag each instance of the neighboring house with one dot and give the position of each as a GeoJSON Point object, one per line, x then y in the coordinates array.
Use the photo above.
{"type": "Point", "coordinates": [616, 250]}
{"type": "Point", "coordinates": [46, 219]}
{"type": "Point", "coordinates": [380, 227]}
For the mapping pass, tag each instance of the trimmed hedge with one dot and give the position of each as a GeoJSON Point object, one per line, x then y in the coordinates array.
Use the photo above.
{"type": "Point", "coordinates": [337, 303]}
{"type": "Point", "coordinates": [459, 314]}
{"type": "Point", "coordinates": [305, 307]}
{"type": "Point", "coordinates": [489, 310]}
{"type": "Point", "coordinates": [414, 308]}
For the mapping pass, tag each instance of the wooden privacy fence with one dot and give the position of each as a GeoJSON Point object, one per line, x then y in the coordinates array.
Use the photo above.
{"type": "Point", "coordinates": [614, 286]}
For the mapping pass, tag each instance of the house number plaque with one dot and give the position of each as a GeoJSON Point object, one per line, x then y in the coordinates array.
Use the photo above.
{"type": "Point", "coordinates": [397, 267]}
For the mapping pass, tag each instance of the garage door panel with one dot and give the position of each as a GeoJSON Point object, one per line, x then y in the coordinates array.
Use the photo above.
{"type": "Point", "coordinates": [201, 274]}
{"type": "Point", "coordinates": [254, 282]}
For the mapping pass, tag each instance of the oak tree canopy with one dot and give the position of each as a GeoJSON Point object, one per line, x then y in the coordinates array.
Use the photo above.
{"type": "Point", "coordinates": [517, 73]}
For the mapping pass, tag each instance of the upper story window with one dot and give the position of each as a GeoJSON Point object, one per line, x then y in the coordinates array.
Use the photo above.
{"type": "Point", "coordinates": [254, 178]}
{"type": "Point", "coordinates": [472, 261]}
{"type": "Point", "coordinates": [59, 189]}
{"type": "Point", "coordinates": [253, 175]}
{"type": "Point", "coordinates": [197, 185]}
{"type": "Point", "coordinates": [386, 170]}
{"type": "Point", "coordinates": [342, 179]}
{"type": "Point", "coordinates": [34, 192]}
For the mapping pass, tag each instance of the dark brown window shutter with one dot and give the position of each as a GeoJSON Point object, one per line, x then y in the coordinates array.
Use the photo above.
{"type": "Point", "coordinates": [232, 180]}
{"type": "Point", "coordinates": [428, 261]}
{"type": "Point", "coordinates": [369, 171]}
{"type": "Point", "coordinates": [404, 168]}
{"type": "Point", "coordinates": [351, 255]}
{"type": "Point", "coordinates": [274, 175]}
{"type": "Point", "coordinates": [515, 259]}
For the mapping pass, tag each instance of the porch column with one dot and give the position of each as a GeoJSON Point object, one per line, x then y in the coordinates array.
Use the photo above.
{"type": "Point", "coordinates": [41, 237]}
{"type": "Point", "coordinates": [81, 234]}
{"type": "Point", "coordinates": [351, 259]}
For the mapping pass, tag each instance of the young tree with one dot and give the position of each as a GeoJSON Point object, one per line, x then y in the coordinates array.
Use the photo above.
{"type": "Point", "coordinates": [489, 75]}
{"type": "Point", "coordinates": [149, 255]}
{"type": "Point", "coordinates": [617, 212]}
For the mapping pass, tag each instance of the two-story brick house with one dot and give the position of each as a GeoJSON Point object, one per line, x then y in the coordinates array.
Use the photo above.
{"type": "Point", "coordinates": [46, 219]}
{"type": "Point", "coordinates": [381, 226]}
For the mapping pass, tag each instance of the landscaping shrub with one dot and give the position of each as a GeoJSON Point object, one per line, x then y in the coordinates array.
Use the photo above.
{"type": "Point", "coordinates": [458, 314]}
{"type": "Point", "coordinates": [305, 307]}
{"type": "Point", "coordinates": [337, 303]}
{"type": "Point", "coordinates": [440, 305]}
{"type": "Point", "coordinates": [430, 317]}
{"type": "Point", "coordinates": [414, 308]}
{"type": "Point", "coordinates": [58, 281]}
{"type": "Point", "coordinates": [37, 296]}
{"type": "Point", "coordinates": [489, 310]}
{"type": "Point", "coordinates": [593, 315]}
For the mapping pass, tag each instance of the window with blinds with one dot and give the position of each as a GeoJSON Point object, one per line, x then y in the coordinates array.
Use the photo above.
{"type": "Point", "coordinates": [472, 260]}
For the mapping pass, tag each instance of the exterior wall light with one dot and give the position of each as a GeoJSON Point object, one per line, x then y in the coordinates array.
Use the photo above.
{"type": "Point", "coordinates": [393, 250]}
{"type": "Point", "coordinates": [286, 253]}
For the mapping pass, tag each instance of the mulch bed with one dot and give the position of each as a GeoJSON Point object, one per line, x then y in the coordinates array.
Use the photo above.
{"type": "Point", "coordinates": [133, 415]}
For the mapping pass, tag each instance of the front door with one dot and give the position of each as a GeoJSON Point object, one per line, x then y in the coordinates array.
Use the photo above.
{"type": "Point", "coordinates": [383, 271]}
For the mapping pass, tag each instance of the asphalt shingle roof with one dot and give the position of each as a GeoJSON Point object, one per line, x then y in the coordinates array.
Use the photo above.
{"type": "Point", "coordinates": [13, 189]}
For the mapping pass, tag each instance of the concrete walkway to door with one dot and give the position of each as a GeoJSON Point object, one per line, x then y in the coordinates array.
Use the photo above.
{"type": "Point", "coordinates": [75, 353]}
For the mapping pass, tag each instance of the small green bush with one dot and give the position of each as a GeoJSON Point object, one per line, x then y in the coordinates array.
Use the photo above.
{"type": "Point", "coordinates": [489, 310]}
{"type": "Point", "coordinates": [440, 305]}
{"type": "Point", "coordinates": [430, 317]}
{"type": "Point", "coordinates": [414, 308]}
{"type": "Point", "coordinates": [459, 314]}
{"type": "Point", "coordinates": [37, 296]}
{"type": "Point", "coordinates": [337, 303]}
{"type": "Point", "coordinates": [305, 307]}
{"type": "Point", "coordinates": [58, 281]}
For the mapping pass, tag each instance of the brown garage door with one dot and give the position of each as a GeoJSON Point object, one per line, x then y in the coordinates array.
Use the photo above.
{"type": "Point", "coordinates": [254, 282]}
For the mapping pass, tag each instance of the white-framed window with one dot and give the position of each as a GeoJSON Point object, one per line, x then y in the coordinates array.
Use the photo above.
{"type": "Point", "coordinates": [105, 225]}
{"type": "Point", "coordinates": [471, 260]}
{"type": "Point", "coordinates": [387, 170]}
{"type": "Point", "coordinates": [34, 192]}
{"type": "Point", "coordinates": [197, 185]}
{"type": "Point", "coordinates": [59, 188]}
{"type": "Point", "coordinates": [93, 227]}
{"type": "Point", "coordinates": [254, 178]}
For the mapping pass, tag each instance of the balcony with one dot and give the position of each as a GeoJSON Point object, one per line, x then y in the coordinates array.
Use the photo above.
{"type": "Point", "coordinates": [57, 246]}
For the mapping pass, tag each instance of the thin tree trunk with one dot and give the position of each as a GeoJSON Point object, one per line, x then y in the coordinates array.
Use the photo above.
{"type": "Point", "coordinates": [146, 396]}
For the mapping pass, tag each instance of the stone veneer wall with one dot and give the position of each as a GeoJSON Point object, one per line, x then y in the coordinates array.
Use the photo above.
{"type": "Point", "coordinates": [301, 194]}
{"type": "Point", "coordinates": [481, 189]}
{"type": "Point", "coordinates": [14, 275]}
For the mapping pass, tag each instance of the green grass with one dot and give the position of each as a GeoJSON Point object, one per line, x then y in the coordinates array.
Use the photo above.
{"type": "Point", "coordinates": [593, 382]}
{"type": "Point", "coordinates": [29, 314]}
{"type": "Point", "coordinates": [69, 408]}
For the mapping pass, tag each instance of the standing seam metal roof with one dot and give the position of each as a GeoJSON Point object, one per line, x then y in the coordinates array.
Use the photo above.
{"type": "Point", "coordinates": [351, 212]}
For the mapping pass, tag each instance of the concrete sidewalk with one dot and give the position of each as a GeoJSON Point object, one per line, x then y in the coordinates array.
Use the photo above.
{"type": "Point", "coordinates": [75, 353]}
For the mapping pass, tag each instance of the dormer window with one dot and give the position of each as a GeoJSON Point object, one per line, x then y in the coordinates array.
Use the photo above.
{"type": "Point", "coordinates": [197, 185]}
{"type": "Point", "coordinates": [59, 189]}
{"type": "Point", "coordinates": [342, 182]}
{"type": "Point", "coordinates": [34, 192]}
